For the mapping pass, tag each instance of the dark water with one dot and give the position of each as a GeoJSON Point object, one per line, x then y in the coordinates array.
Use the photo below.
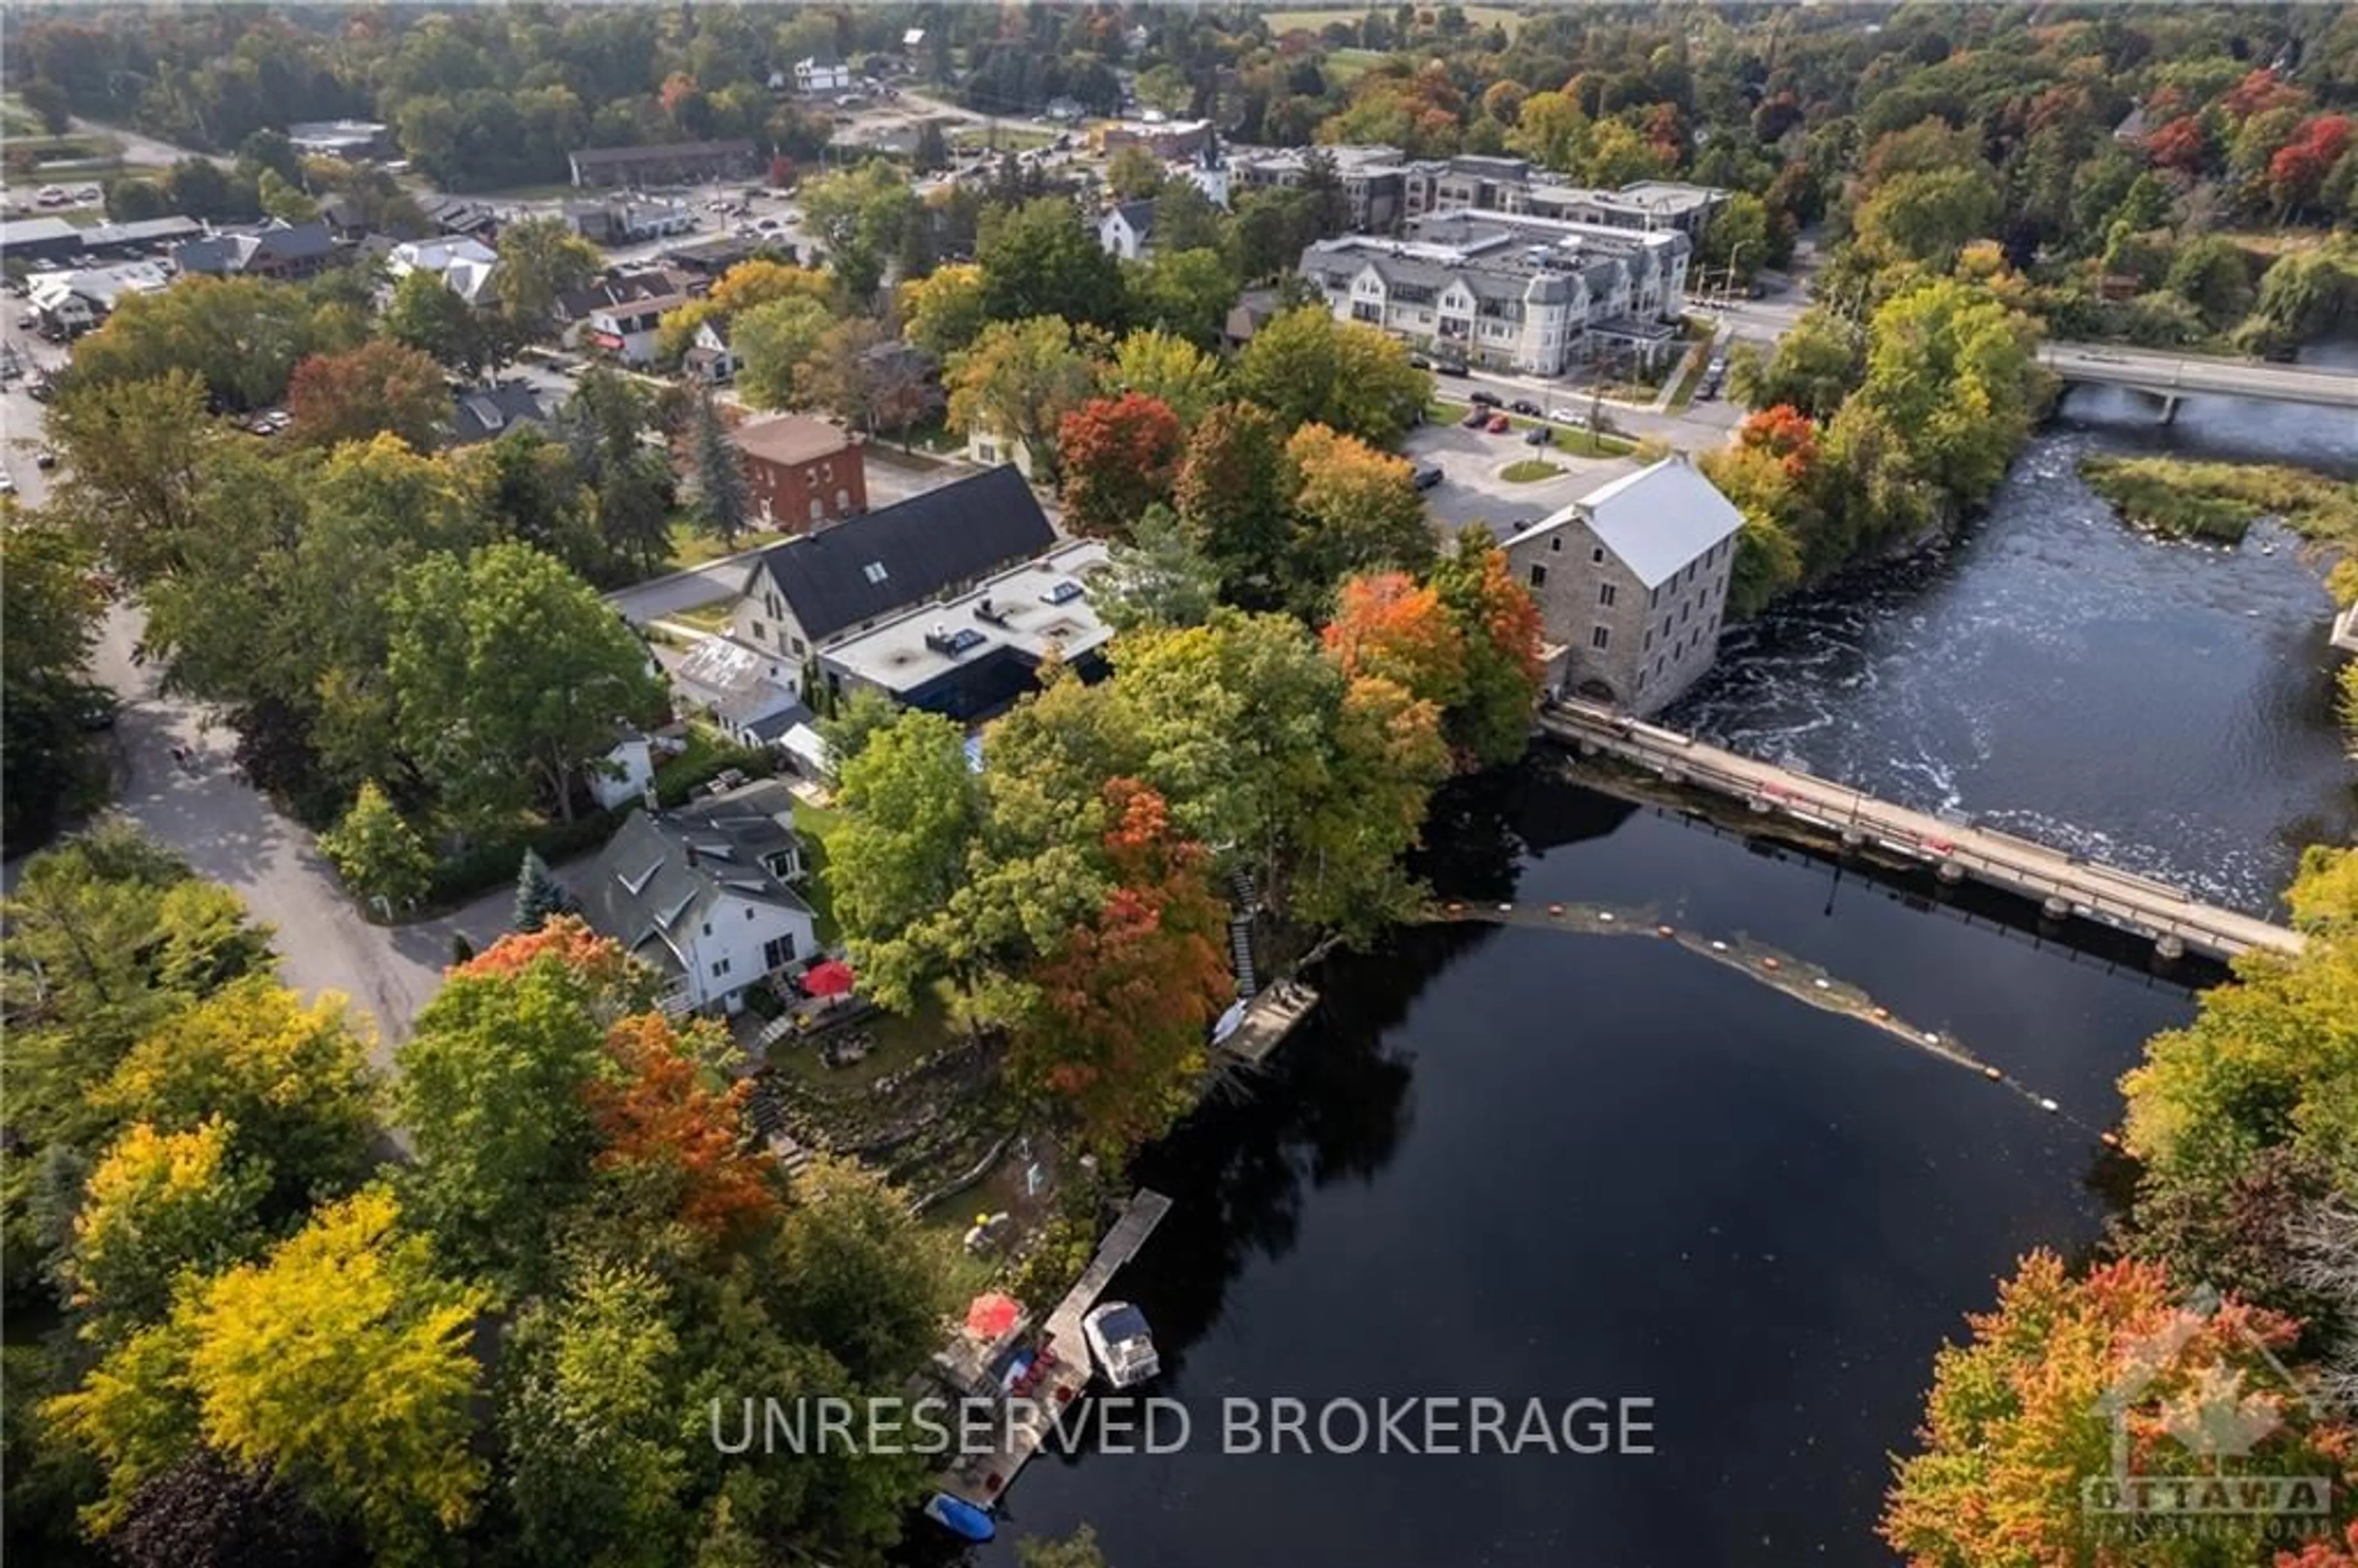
{"type": "Point", "coordinates": [2165, 707]}
{"type": "Point", "coordinates": [1534, 1165]}
{"type": "Point", "coordinates": [1528, 1164]}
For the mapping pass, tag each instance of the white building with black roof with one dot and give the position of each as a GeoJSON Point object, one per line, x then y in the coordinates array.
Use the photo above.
{"type": "Point", "coordinates": [805, 595]}
{"type": "Point", "coordinates": [706, 895]}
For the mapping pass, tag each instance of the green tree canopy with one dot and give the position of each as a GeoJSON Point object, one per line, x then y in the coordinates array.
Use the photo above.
{"type": "Point", "coordinates": [509, 675]}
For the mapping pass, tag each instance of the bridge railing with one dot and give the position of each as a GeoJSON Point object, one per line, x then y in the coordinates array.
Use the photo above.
{"type": "Point", "coordinates": [2022, 862]}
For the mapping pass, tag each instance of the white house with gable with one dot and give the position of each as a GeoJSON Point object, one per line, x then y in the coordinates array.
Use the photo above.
{"type": "Point", "coordinates": [704, 895]}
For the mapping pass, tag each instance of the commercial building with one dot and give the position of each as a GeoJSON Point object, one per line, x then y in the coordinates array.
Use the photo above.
{"type": "Point", "coordinates": [53, 241]}
{"type": "Point", "coordinates": [618, 222]}
{"type": "Point", "coordinates": [1631, 582]}
{"type": "Point", "coordinates": [969, 656]}
{"type": "Point", "coordinates": [273, 250]}
{"type": "Point", "coordinates": [805, 595]}
{"type": "Point", "coordinates": [1163, 138]}
{"type": "Point", "coordinates": [675, 162]}
{"type": "Point", "coordinates": [1514, 186]}
{"type": "Point", "coordinates": [802, 473]}
{"type": "Point", "coordinates": [1373, 178]}
{"type": "Point", "coordinates": [1528, 294]}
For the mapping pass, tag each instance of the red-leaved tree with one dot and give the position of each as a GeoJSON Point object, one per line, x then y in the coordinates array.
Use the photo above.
{"type": "Point", "coordinates": [381, 387]}
{"type": "Point", "coordinates": [2297, 172]}
{"type": "Point", "coordinates": [2181, 146]}
{"type": "Point", "coordinates": [1120, 455]}
{"type": "Point", "coordinates": [1124, 1002]}
{"type": "Point", "coordinates": [676, 1135]}
{"type": "Point", "coordinates": [1785, 433]}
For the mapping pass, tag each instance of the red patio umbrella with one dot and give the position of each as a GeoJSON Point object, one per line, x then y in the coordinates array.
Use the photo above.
{"type": "Point", "coordinates": [992, 1314]}
{"type": "Point", "coordinates": [832, 978]}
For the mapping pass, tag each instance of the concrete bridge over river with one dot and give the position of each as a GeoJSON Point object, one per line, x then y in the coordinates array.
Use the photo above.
{"type": "Point", "coordinates": [2173, 377]}
{"type": "Point", "coordinates": [2062, 883]}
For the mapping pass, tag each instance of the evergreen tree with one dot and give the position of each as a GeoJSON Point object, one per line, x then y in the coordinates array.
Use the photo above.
{"type": "Point", "coordinates": [721, 501]}
{"type": "Point", "coordinates": [540, 897]}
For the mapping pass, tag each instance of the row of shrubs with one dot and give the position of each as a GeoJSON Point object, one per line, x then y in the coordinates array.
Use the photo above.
{"type": "Point", "coordinates": [492, 864]}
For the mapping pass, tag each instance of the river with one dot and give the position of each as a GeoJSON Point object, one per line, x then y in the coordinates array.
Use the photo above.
{"type": "Point", "coordinates": [2165, 707]}
{"type": "Point", "coordinates": [1532, 1165]}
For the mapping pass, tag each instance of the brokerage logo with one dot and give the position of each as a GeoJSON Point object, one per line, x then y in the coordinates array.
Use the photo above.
{"type": "Point", "coordinates": [2194, 1423]}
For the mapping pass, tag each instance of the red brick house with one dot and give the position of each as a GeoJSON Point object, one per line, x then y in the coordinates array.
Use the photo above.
{"type": "Point", "coordinates": [803, 474]}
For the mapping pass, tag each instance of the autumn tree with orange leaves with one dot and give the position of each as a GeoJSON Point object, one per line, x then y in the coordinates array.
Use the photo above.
{"type": "Point", "coordinates": [2017, 1422]}
{"type": "Point", "coordinates": [1504, 668]}
{"type": "Point", "coordinates": [1123, 1003]}
{"type": "Point", "coordinates": [1386, 624]}
{"type": "Point", "coordinates": [1120, 455]}
{"type": "Point", "coordinates": [677, 1140]}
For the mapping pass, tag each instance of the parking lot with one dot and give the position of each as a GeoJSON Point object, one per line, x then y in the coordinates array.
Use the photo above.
{"type": "Point", "coordinates": [1473, 491]}
{"type": "Point", "coordinates": [24, 357]}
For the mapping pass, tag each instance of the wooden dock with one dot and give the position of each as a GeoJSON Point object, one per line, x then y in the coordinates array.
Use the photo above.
{"type": "Point", "coordinates": [981, 1478]}
{"type": "Point", "coordinates": [2063, 884]}
{"type": "Point", "coordinates": [1269, 1018]}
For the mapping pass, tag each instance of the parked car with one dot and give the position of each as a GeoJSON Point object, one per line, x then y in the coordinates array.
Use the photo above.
{"type": "Point", "coordinates": [45, 459]}
{"type": "Point", "coordinates": [1427, 476]}
{"type": "Point", "coordinates": [1538, 436]}
{"type": "Point", "coordinates": [1446, 368]}
{"type": "Point", "coordinates": [1499, 424]}
{"type": "Point", "coordinates": [1525, 407]}
{"type": "Point", "coordinates": [1418, 362]}
{"type": "Point", "coordinates": [7, 483]}
{"type": "Point", "coordinates": [1475, 418]}
{"type": "Point", "coordinates": [1483, 399]}
{"type": "Point", "coordinates": [1571, 416]}
{"type": "Point", "coordinates": [28, 320]}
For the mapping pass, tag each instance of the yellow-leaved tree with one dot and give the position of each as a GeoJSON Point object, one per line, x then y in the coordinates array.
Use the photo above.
{"type": "Point", "coordinates": [159, 1206]}
{"type": "Point", "coordinates": [343, 1362]}
{"type": "Point", "coordinates": [340, 1362]}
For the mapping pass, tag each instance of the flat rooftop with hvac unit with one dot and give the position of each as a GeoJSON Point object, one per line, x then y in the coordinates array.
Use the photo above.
{"type": "Point", "coordinates": [971, 656]}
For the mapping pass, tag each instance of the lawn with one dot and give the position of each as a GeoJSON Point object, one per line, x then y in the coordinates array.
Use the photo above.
{"type": "Point", "coordinates": [1001, 138]}
{"type": "Point", "coordinates": [691, 546]}
{"type": "Point", "coordinates": [712, 616]}
{"type": "Point", "coordinates": [1530, 471]}
{"type": "Point", "coordinates": [16, 121]}
{"type": "Point", "coordinates": [1698, 361]}
{"type": "Point", "coordinates": [1588, 444]}
{"type": "Point", "coordinates": [1313, 20]}
{"type": "Point", "coordinates": [898, 1043]}
{"type": "Point", "coordinates": [817, 824]}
